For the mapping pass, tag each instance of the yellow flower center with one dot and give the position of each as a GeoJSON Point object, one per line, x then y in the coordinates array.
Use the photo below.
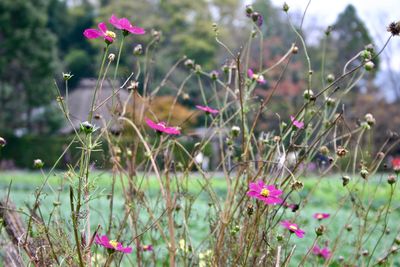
{"type": "Point", "coordinates": [111, 34]}
{"type": "Point", "coordinates": [264, 192]}
{"type": "Point", "coordinates": [114, 243]}
{"type": "Point", "coordinates": [292, 227]}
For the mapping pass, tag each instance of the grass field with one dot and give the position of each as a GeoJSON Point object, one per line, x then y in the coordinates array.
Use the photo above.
{"type": "Point", "coordinates": [327, 198]}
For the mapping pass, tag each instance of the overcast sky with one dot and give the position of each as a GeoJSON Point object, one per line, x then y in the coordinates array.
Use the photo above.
{"type": "Point", "coordinates": [376, 14]}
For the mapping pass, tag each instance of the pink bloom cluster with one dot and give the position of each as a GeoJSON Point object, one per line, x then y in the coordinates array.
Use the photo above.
{"type": "Point", "coordinates": [257, 77]}
{"type": "Point", "coordinates": [322, 252]}
{"type": "Point", "coordinates": [207, 109]}
{"type": "Point", "coordinates": [161, 127]}
{"type": "Point", "coordinates": [293, 228]}
{"type": "Point", "coordinates": [109, 36]}
{"type": "Point", "coordinates": [296, 123]}
{"type": "Point", "coordinates": [267, 193]}
{"type": "Point", "coordinates": [111, 244]}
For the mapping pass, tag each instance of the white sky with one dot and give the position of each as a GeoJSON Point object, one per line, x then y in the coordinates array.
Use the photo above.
{"type": "Point", "coordinates": [376, 14]}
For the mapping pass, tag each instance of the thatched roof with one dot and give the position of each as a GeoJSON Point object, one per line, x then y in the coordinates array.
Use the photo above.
{"type": "Point", "coordinates": [80, 100]}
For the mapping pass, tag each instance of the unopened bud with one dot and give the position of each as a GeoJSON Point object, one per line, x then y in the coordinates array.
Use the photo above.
{"type": "Point", "coordinates": [86, 127]}
{"type": "Point", "coordinates": [330, 78]}
{"type": "Point", "coordinates": [391, 179]}
{"type": "Point", "coordinates": [369, 118]}
{"type": "Point", "coordinates": [369, 66]}
{"type": "Point", "coordinates": [235, 130]}
{"type": "Point", "coordinates": [3, 142]}
{"type": "Point", "coordinates": [341, 151]}
{"type": "Point", "coordinates": [320, 230]}
{"type": "Point", "coordinates": [138, 50]}
{"type": "Point", "coordinates": [38, 163]}
{"type": "Point", "coordinates": [308, 94]}
{"type": "Point", "coordinates": [67, 76]}
{"type": "Point", "coordinates": [364, 173]}
{"type": "Point", "coordinates": [214, 75]}
{"type": "Point", "coordinates": [324, 150]}
{"type": "Point", "coordinates": [328, 30]}
{"type": "Point", "coordinates": [345, 180]}
{"type": "Point", "coordinates": [348, 227]}
{"type": "Point", "coordinates": [394, 28]}
{"type": "Point", "coordinates": [295, 49]}
{"type": "Point", "coordinates": [365, 252]}
{"type": "Point", "coordinates": [134, 85]}
{"type": "Point", "coordinates": [285, 7]}
{"type": "Point", "coordinates": [189, 63]}
{"type": "Point", "coordinates": [330, 102]}
{"type": "Point", "coordinates": [111, 57]}
{"type": "Point", "coordinates": [297, 185]}
{"type": "Point", "coordinates": [249, 10]}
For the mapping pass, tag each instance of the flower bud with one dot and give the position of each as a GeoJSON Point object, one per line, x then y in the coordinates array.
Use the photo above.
{"type": "Point", "coordinates": [330, 102]}
{"type": "Point", "coordinates": [197, 69]}
{"type": "Point", "coordinates": [38, 163]}
{"type": "Point", "coordinates": [111, 57]}
{"type": "Point", "coordinates": [365, 252]}
{"type": "Point", "coordinates": [364, 173]}
{"type": "Point", "coordinates": [295, 50]}
{"type": "Point", "coordinates": [308, 94]}
{"type": "Point", "coordinates": [369, 118]}
{"type": "Point", "coordinates": [391, 179]}
{"type": "Point", "coordinates": [257, 18]}
{"type": "Point", "coordinates": [330, 78]}
{"type": "Point", "coordinates": [235, 130]}
{"type": "Point", "coordinates": [189, 63]}
{"type": "Point", "coordinates": [249, 10]}
{"type": "Point", "coordinates": [397, 240]}
{"type": "Point", "coordinates": [328, 30]}
{"type": "Point", "coordinates": [67, 76]}
{"type": "Point", "coordinates": [279, 237]}
{"type": "Point", "coordinates": [250, 210]}
{"type": "Point", "coordinates": [86, 127]}
{"type": "Point", "coordinates": [3, 142]}
{"type": "Point", "coordinates": [320, 230]}
{"type": "Point", "coordinates": [225, 68]}
{"type": "Point", "coordinates": [285, 7]}
{"type": "Point", "coordinates": [369, 66]}
{"type": "Point", "coordinates": [345, 180]}
{"type": "Point", "coordinates": [394, 249]}
{"type": "Point", "coordinates": [348, 227]}
{"type": "Point", "coordinates": [138, 50]}
{"type": "Point", "coordinates": [277, 138]}
{"type": "Point", "coordinates": [134, 85]}
{"type": "Point", "coordinates": [56, 203]}
{"type": "Point", "coordinates": [214, 75]}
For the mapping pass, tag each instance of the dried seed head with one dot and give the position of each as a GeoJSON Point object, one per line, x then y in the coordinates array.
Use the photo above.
{"type": "Point", "coordinates": [277, 139]}
{"type": "Point", "coordinates": [67, 76]}
{"type": "Point", "coordinates": [341, 151]}
{"type": "Point", "coordinates": [134, 85]}
{"type": "Point", "coordinates": [235, 130]}
{"type": "Point", "coordinates": [394, 28]}
{"type": "Point", "coordinates": [250, 209]}
{"type": "Point", "coordinates": [297, 185]}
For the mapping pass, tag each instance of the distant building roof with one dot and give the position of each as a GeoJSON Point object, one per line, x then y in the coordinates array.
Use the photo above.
{"type": "Point", "coordinates": [80, 100]}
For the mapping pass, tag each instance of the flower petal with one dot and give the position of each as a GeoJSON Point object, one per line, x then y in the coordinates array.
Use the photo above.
{"type": "Point", "coordinates": [92, 33]}
{"type": "Point", "coordinates": [103, 27]}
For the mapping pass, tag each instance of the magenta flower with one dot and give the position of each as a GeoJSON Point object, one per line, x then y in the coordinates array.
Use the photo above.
{"type": "Point", "coordinates": [207, 109]}
{"type": "Point", "coordinates": [296, 123]}
{"type": "Point", "coordinates": [111, 244]}
{"type": "Point", "coordinates": [267, 193]}
{"type": "Point", "coordinates": [125, 25]}
{"type": "Point", "coordinates": [321, 216]}
{"type": "Point", "coordinates": [147, 247]}
{"type": "Point", "coordinates": [257, 77]}
{"type": "Point", "coordinates": [108, 36]}
{"type": "Point", "coordinates": [293, 228]}
{"type": "Point", "coordinates": [322, 252]}
{"type": "Point", "coordinates": [162, 128]}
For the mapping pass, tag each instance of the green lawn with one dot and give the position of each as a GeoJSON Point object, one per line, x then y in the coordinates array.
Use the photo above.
{"type": "Point", "coordinates": [327, 198]}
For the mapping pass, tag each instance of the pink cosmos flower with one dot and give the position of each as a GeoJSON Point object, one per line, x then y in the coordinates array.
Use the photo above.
{"type": "Point", "coordinates": [125, 25]}
{"type": "Point", "coordinates": [293, 228]}
{"type": "Point", "coordinates": [108, 36]}
{"type": "Point", "coordinates": [321, 216]}
{"type": "Point", "coordinates": [162, 128]}
{"type": "Point", "coordinates": [322, 252]}
{"type": "Point", "coordinates": [147, 247]}
{"type": "Point", "coordinates": [111, 244]}
{"type": "Point", "coordinates": [396, 164]}
{"type": "Point", "coordinates": [254, 76]}
{"type": "Point", "coordinates": [207, 109]}
{"type": "Point", "coordinates": [296, 123]}
{"type": "Point", "coordinates": [267, 193]}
